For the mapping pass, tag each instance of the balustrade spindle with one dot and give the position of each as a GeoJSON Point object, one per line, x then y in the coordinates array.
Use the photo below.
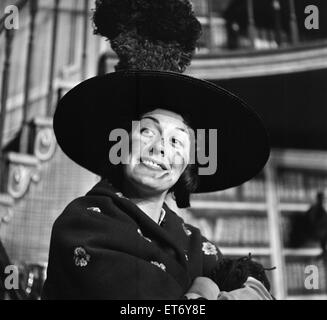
{"type": "Point", "coordinates": [85, 39]}
{"type": "Point", "coordinates": [252, 32]}
{"type": "Point", "coordinates": [293, 23]}
{"type": "Point", "coordinates": [53, 57]}
{"type": "Point", "coordinates": [278, 23]}
{"type": "Point", "coordinates": [210, 25]}
{"type": "Point", "coordinates": [9, 34]}
{"type": "Point", "coordinates": [23, 147]}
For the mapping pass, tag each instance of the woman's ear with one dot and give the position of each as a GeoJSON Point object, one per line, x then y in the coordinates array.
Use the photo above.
{"type": "Point", "coordinates": [170, 196]}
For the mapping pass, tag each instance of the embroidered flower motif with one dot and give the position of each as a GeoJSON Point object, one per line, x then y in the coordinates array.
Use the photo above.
{"type": "Point", "coordinates": [94, 209]}
{"type": "Point", "coordinates": [159, 265]}
{"type": "Point", "coordinates": [120, 195]}
{"type": "Point", "coordinates": [186, 230]}
{"type": "Point", "coordinates": [141, 234]}
{"type": "Point", "coordinates": [185, 254]}
{"type": "Point", "coordinates": [209, 249]}
{"type": "Point", "coordinates": [81, 258]}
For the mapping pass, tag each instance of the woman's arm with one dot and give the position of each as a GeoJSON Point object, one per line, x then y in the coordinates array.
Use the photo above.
{"type": "Point", "coordinates": [253, 290]}
{"type": "Point", "coordinates": [203, 287]}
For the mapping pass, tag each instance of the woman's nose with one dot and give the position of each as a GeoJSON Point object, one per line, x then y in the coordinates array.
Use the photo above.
{"type": "Point", "coordinates": [158, 147]}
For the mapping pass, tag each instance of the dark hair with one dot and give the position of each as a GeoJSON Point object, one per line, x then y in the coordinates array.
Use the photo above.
{"type": "Point", "coordinates": [186, 184]}
{"type": "Point", "coordinates": [182, 189]}
{"type": "Point", "coordinates": [189, 180]}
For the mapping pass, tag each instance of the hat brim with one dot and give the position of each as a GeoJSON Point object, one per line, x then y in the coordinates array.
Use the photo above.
{"type": "Point", "coordinates": [89, 112]}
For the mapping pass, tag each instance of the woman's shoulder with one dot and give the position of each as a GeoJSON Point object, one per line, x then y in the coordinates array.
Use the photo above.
{"type": "Point", "coordinates": [84, 203]}
{"type": "Point", "coordinates": [98, 197]}
{"type": "Point", "coordinates": [83, 208]}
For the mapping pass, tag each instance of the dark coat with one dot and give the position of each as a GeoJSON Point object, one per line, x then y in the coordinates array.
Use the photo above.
{"type": "Point", "coordinates": [104, 247]}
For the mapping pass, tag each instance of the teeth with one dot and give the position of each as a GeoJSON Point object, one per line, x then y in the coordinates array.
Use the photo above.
{"type": "Point", "coordinates": [151, 163]}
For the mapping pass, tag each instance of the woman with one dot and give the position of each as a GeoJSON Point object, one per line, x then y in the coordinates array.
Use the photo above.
{"type": "Point", "coordinates": [121, 240]}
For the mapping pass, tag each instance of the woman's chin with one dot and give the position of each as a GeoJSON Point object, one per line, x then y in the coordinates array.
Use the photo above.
{"type": "Point", "coordinates": [154, 185]}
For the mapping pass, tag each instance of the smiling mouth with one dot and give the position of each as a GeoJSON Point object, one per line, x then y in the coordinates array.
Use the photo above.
{"type": "Point", "coordinates": [153, 164]}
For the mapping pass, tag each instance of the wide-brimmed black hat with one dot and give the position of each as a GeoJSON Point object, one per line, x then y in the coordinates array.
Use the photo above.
{"type": "Point", "coordinates": [87, 114]}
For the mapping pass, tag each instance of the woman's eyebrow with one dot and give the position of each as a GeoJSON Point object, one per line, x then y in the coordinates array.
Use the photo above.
{"type": "Point", "coordinates": [151, 118]}
{"type": "Point", "coordinates": [158, 122]}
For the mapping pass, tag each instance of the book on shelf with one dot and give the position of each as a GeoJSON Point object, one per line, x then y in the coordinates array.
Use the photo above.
{"type": "Point", "coordinates": [248, 230]}
{"type": "Point", "coordinates": [294, 185]}
{"type": "Point", "coordinates": [253, 190]}
{"type": "Point", "coordinates": [286, 229]}
{"type": "Point", "coordinates": [224, 195]}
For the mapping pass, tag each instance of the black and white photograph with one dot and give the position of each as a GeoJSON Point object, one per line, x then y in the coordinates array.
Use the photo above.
{"type": "Point", "coordinates": [163, 150]}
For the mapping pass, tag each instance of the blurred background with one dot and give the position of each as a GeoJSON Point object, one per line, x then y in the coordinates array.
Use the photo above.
{"type": "Point", "coordinates": [259, 49]}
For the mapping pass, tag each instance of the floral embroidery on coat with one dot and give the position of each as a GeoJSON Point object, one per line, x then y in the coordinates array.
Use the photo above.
{"type": "Point", "coordinates": [94, 209]}
{"type": "Point", "coordinates": [120, 195]}
{"type": "Point", "coordinates": [186, 230]}
{"type": "Point", "coordinates": [159, 265]}
{"type": "Point", "coordinates": [81, 258]}
{"type": "Point", "coordinates": [186, 255]}
{"type": "Point", "coordinates": [209, 249]}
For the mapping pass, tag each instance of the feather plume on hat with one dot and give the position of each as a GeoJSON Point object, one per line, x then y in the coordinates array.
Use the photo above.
{"type": "Point", "coordinates": [157, 35]}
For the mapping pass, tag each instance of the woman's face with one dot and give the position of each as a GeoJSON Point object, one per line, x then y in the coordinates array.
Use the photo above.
{"type": "Point", "coordinates": [160, 151]}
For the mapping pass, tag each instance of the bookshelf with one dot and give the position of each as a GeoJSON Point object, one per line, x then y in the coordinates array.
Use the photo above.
{"type": "Point", "coordinates": [301, 174]}
{"type": "Point", "coordinates": [257, 217]}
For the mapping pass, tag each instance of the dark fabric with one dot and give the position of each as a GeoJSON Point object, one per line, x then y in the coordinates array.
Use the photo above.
{"type": "Point", "coordinates": [121, 252]}
{"type": "Point", "coordinates": [231, 274]}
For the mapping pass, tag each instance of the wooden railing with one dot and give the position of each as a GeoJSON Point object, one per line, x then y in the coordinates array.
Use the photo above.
{"type": "Point", "coordinates": [276, 12]}
{"type": "Point", "coordinates": [283, 33]}
{"type": "Point", "coordinates": [9, 37]}
{"type": "Point", "coordinates": [29, 72]}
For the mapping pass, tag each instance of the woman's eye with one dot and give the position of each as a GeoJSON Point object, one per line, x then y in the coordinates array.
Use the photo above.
{"type": "Point", "coordinates": [147, 132]}
{"type": "Point", "coordinates": [176, 142]}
